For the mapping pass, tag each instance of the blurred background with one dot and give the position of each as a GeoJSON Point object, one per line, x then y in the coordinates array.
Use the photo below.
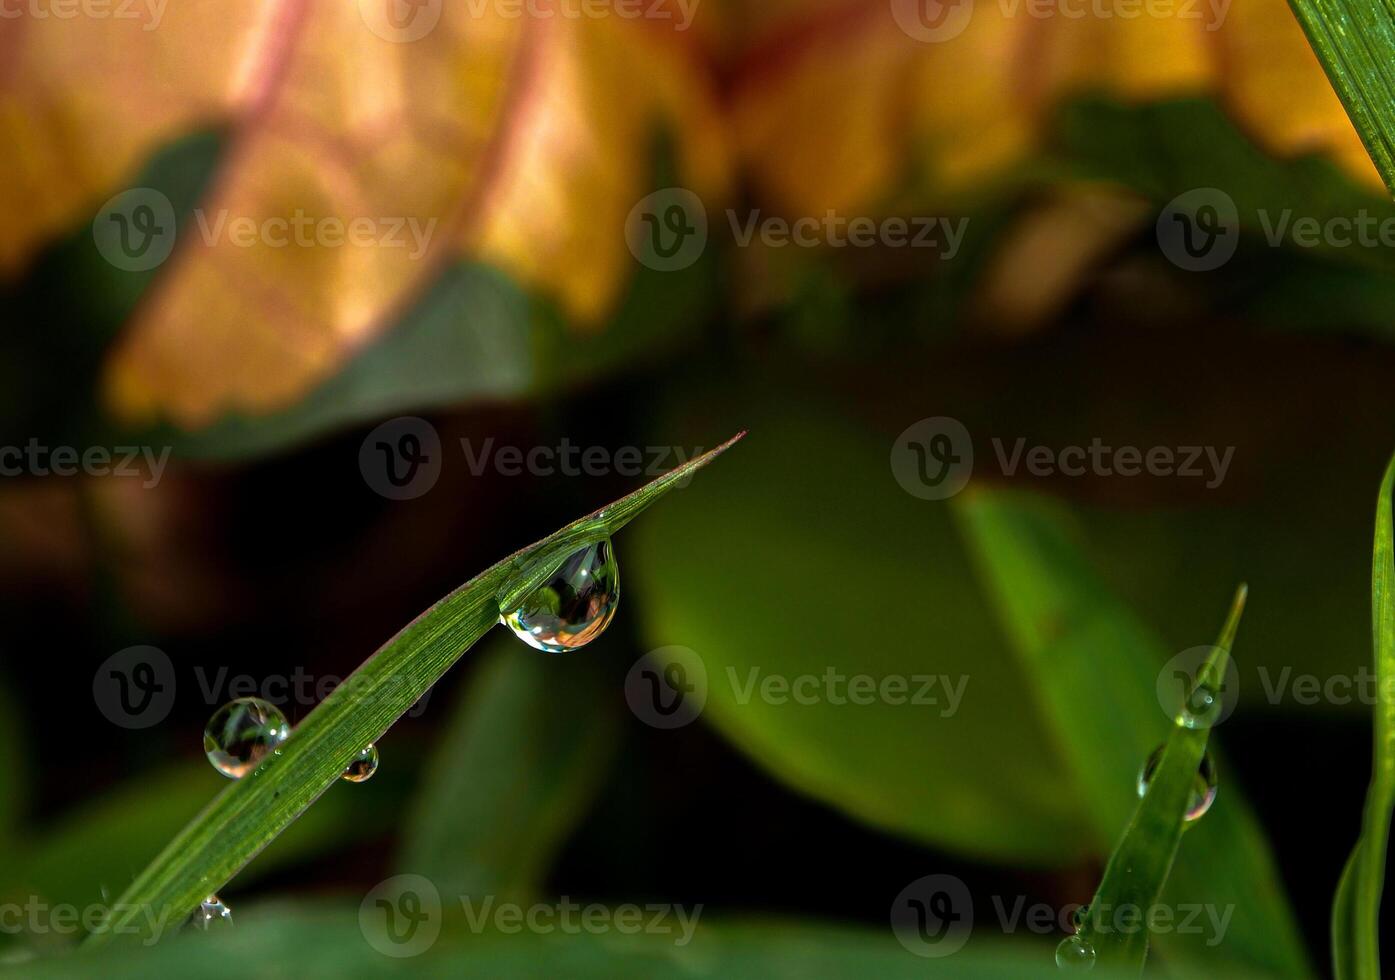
{"type": "Point", "coordinates": [927, 254]}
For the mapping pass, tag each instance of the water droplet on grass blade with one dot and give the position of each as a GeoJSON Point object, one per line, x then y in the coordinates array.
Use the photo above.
{"type": "Point", "coordinates": [243, 732]}
{"type": "Point", "coordinates": [212, 914]}
{"type": "Point", "coordinates": [1202, 707]}
{"type": "Point", "coordinates": [574, 605]}
{"type": "Point", "coordinates": [1075, 953]}
{"type": "Point", "coordinates": [363, 767]}
{"type": "Point", "coordinates": [1203, 789]}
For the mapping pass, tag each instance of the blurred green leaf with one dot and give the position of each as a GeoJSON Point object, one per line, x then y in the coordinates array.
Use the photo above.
{"type": "Point", "coordinates": [252, 812]}
{"type": "Point", "coordinates": [327, 940]}
{"type": "Point", "coordinates": [89, 855]}
{"type": "Point", "coordinates": [1095, 668]}
{"type": "Point", "coordinates": [1355, 41]}
{"type": "Point", "coordinates": [1356, 909]}
{"type": "Point", "coordinates": [827, 565]}
{"type": "Point", "coordinates": [525, 753]}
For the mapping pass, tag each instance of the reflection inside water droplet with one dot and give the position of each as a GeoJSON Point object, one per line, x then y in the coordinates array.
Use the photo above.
{"type": "Point", "coordinates": [1202, 707]}
{"type": "Point", "coordinates": [574, 605]}
{"type": "Point", "coordinates": [1075, 953]}
{"type": "Point", "coordinates": [363, 767]}
{"type": "Point", "coordinates": [1203, 789]}
{"type": "Point", "coordinates": [212, 914]}
{"type": "Point", "coordinates": [243, 732]}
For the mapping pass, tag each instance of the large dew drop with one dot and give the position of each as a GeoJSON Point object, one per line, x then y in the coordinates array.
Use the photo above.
{"type": "Point", "coordinates": [363, 767]}
{"type": "Point", "coordinates": [1203, 789]}
{"type": "Point", "coordinates": [1075, 953]}
{"type": "Point", "coordinates": [243, 732]}
{"type": "Point", "coordinates": [574, 605]}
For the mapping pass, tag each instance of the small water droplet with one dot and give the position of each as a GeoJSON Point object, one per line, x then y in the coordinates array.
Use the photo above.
{"type": "Point", "coordinates": [1075, 953]}
{"type": "Point", "coordinates": [1202, 707]}
{"type": "Point", "coordinates": [574, 605]}
{"type": "Point", "coordinates": [241, 733]}
{"type": "Point", "coordinates": [363, 767]}
{"type": "Point", "coordinates": [212, 914]}
{"type": "Point", "coordinates": [1203, 790]}
{"type": "Point", "coordinates": [1080, 917]}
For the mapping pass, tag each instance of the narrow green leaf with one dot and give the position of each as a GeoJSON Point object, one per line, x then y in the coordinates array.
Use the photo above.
{"type": "Point", "coordinates": [524, 755]}
{"type": "Point", "coordinates": [251, 812]}
{"type": "Point", "coordinates": [1355, 41]}
{"type": "Point", "coordinates": [1074, 637]}
{"type": "Point", "coordinates": [1356, 909]}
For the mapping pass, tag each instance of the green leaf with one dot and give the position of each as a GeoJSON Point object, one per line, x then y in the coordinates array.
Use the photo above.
{"type": "Point", "coordinates": [834, 568]}
{"type": "Point", "coordinates": [1095, 668]}
{"type": "Point", "coordinates": [91, 853]}
{"type": "Point", "coordinates": [1356, 909]}
{"type": "Point", "coordinates": [251, 812]}
{"type": "Point", "coordinates": [1354, 40]}
{"type": "Point", "coordinates": [309, 939]}
{"type": "Point", "coordinates": [1140, 864]}
{"type": "Point", "coordinates": [524, 756]}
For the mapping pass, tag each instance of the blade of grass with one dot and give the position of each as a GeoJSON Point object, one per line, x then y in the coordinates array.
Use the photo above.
{"type": "Point", "coordinates": [250, 813]}
{"type": "Point", "coordinates": [1355, 41]}
{"type": "Point", "coordinates": [1139, 866]}
{"type": "Point", "coordinates": [1072, 636]}
{"type": "Point", "coordinates": [1356, 908]}
{"type": "Point", "coordinates": [525, 753]}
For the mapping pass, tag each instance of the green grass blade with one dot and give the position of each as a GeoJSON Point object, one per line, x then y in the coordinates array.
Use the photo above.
{"type": "Point", "coordinates": [250, 813]}
{"type": "Point", "coordinates": [1355, 41]}
{"type": "Point", "coordinates": [1073, 639]}
{"type": "Point", "coordinates": [524, 755]}
{"type": "Point", "coordinates": [1140, 864]}
{"type": "Point", "coordinates": [1356, 909]}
